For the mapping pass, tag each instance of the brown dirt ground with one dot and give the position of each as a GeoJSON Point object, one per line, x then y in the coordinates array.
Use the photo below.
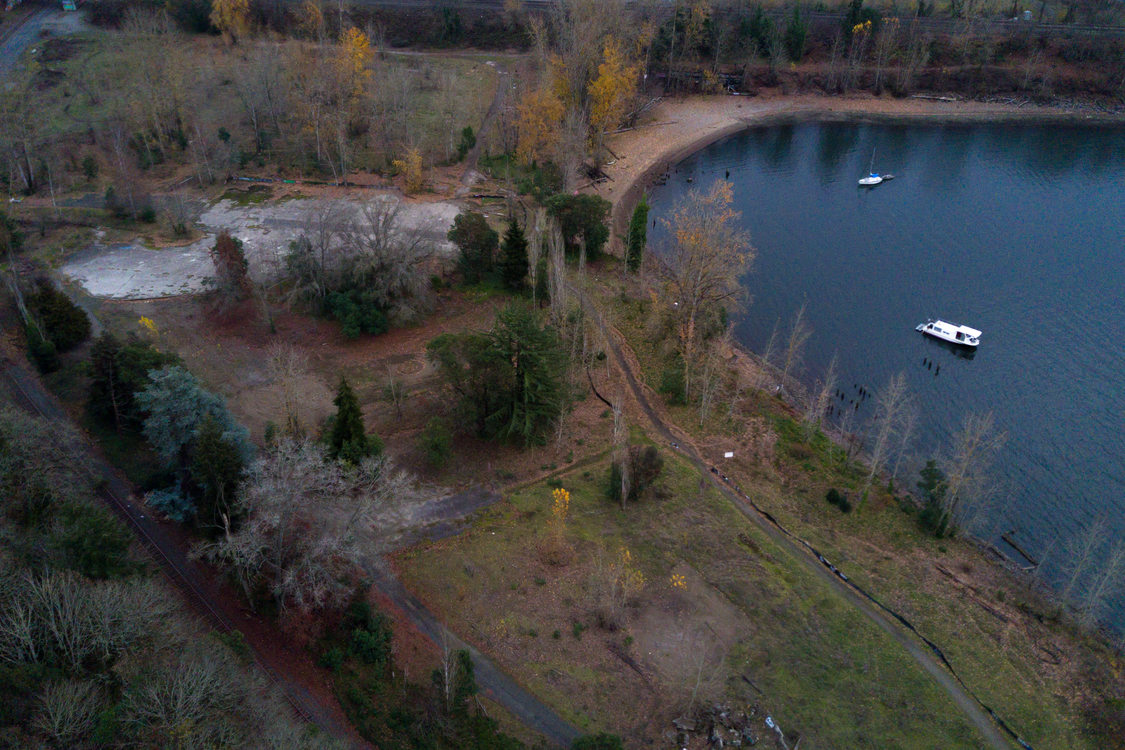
{"type": "Point", "coordinates": [229, 352]}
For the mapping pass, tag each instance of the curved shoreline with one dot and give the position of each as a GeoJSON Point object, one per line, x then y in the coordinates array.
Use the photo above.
{"type": "Point", "coordinates": [698, 122]}
{"type": "Point", "coordinates": [678, 128]}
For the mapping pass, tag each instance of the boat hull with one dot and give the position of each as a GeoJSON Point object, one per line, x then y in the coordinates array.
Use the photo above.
{"type": "Point", "coordinates": [949, 339]}
{"type": "Point", "coordinates": [958, 351]}
{"type": "Point", "coordinates": [950, 333]}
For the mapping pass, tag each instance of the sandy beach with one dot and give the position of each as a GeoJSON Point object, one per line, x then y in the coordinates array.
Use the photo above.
{"type": "Point", "coordinates": [675, 128]}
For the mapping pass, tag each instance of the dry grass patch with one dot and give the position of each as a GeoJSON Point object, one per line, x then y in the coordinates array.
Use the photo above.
{"type": "Point", "coordinates": [710, 600]}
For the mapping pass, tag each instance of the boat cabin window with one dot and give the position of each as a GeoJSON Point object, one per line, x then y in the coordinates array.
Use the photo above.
{"type": "Point", "coordinates": [960, 335]}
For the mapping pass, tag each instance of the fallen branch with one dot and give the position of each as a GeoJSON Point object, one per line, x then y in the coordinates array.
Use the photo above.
{"type": "Point", "coordinates": [595, 389]}
{"type": "Point", "coordinates": [1012, 543]}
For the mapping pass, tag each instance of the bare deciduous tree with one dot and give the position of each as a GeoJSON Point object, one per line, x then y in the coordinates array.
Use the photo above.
{"type": "Point", "coordinates": [570, 149]}
{"type": "Point", "coordinates": [1107, 582]}
{"type": "Point", "coordinates": [308, 521]}
{"type": "Point", "coordinates": [967, 469]}
{"type": "Point", "coordinates": [64, 618]}
{"type": "Point", "coordinates": [67, 710]}
{"type": "Point", "coordinates": [702, 269]}
{"type": "Point", "coordinates": [314, 260]}
{"type": "Point", "coordinates": [906, 434]}
{"type": "Point", "coordinates": [192, 699]}
{"type": "Point", "coordinates": [711, 374]}
{"type": "Point", "coordinates": [891, 403]}
{"type": "Point", "coordinates": [799, 334]}
{"type": "Point", "coordinates": [287, 366]}
{"type": "Point", "coordinates": [536, 240]}
{"type": "Point", "coordinates": [916, 57]}
{"type": "Point", "coordinates": [1092, 569]}
{"type": "Point", "coordinates": [556, 273]}
{"type": "Point", "coordinates": [696, 667]}
{"type": "Point", "coordinates": [394, 390]}
{"type": "Point", "coordinates": [38, 461]}
{"type": "Point", "coordinates": [390, 258]}
{"type": "Point", "coordinates": [766, 363]}
{"type": "Point", "coordinates": [621, 443]}
{"type": "Point", "coordinates": [886, 40]}
{"type": "Point", "coordinates": [818, 405]}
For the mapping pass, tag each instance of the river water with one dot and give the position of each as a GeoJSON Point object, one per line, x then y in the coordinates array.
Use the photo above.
{"type": "Point", "coordinates": [1018, 230]}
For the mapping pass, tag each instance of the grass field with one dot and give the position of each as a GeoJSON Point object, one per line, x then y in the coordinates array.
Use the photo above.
{"type": "Point", "coordinates": [745, 609]}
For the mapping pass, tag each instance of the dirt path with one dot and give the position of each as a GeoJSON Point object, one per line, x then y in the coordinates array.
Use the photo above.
{"type": "Point", "coordinates": [291, 670]}
{"type": "Point", "coordinates": [47, 19]}
{"type": "Point", "coordinates": [470, 176]}
{"type": "Point", "coordinates": [968, 704]}
{"type": "Point", "coordinates": [14, 40]}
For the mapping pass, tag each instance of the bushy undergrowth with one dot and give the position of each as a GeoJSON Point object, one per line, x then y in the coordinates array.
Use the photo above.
{"type": "Point", "coordinates": [393, 712]}
{"type": "Point", "coordinates": [90, 647]}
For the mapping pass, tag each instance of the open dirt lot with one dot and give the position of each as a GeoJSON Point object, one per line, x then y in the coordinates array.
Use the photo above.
{"type": "Point", "coordinates": [134, 271]}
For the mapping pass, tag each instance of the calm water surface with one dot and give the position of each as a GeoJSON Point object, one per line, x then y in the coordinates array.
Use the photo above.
{"type": "Point", "coordinates": [1016, 230]}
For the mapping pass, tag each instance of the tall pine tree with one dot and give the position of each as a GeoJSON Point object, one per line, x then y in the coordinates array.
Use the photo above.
{"type": "Point", "coordinates": [216, 467]}
{"type": "Point", "coordinates": [118, 371]}
{"type": "Point", "coordinates": [638, 235]}
{"type": "Point", "coordinates": [107, 393]}
{"type": "Point", "coordinates": [348, 440]}
{"type": "Point", "coordinates": [542, 293]}
{"type": "Point", "coordinates": [513, 257]}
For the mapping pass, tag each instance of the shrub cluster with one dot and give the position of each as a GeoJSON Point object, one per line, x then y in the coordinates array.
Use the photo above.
{"type": "Point", "coordinates": [58, 325]}
{"type": "Point", "coordinates": [358, 311]}
{"type": "Point", "coordinates": [645, 466]}
{"type": "Point", "coordinates": [839, 499]}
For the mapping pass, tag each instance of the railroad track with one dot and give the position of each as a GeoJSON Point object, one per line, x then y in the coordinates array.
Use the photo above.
{"type": "Point", "coordinates": [175, 565]}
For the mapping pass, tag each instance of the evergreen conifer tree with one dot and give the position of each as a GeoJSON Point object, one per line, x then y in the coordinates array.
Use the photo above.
{"type": "Point", "coordinates": [107, 394]}
{"type": "Point", "coordinates": [216, 466]}
{"type": "Point", "coordinates": [348, 440]}
{"type": "Point", "coordinates": [638, 235]}
{"type": "Point", "coordinates": [513, 257]}
{"type": "Point", "coordinates": [477, 242]}
{"type": "Point", "coordinates": [542, 284]}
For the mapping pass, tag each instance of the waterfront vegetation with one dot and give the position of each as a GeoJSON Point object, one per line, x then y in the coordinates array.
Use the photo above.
{"type": "Point", "coordinates": [292, 433]}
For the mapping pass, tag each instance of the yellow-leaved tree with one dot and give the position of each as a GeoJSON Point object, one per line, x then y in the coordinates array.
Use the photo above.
{"type": "Point", "coordinates": [231, 18]}
{"type": "Point", "coordinates": [410, 167]}
{"type": "Point", "coordinates": [538, 124]}
{"type": "Point", "coordinates": [355, 56]}
{"type": "Point", "coordinates": [627, 577]}
{"type": "Point", "coordinates": [612, 92]}
{"type": "Point", "coordinates": [560, 508]}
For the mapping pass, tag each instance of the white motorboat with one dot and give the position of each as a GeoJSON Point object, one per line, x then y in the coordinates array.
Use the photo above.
{"type": "Point", "coordinates": [950, 332]}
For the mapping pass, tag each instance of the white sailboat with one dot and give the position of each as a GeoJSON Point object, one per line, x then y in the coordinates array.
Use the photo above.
{"type": "Point", "coordinates": [873, 178]}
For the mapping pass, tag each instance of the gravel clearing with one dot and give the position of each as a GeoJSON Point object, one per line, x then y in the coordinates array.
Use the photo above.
{"type": "Point", "coordinates": [133, 271]}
